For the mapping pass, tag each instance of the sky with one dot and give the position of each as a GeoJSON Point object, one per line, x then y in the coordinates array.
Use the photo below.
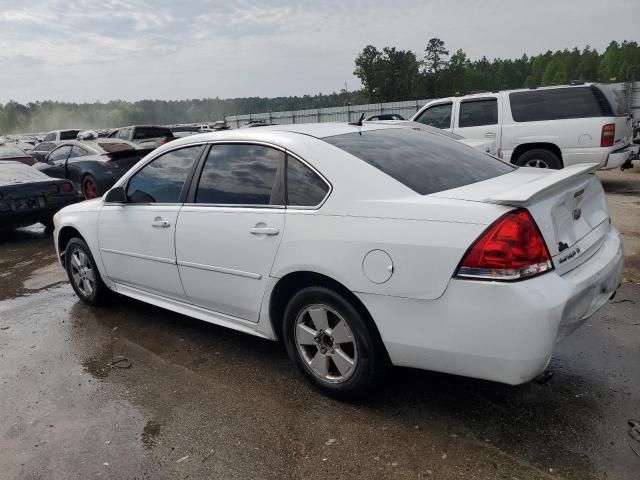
{"type": "Point", "coordinates": [88, 50]}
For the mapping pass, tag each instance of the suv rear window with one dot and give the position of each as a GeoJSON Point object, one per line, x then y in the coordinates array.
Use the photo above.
{"type": "Point", "coordinates": [425, 162]}
{"type": "Point", "coordinates": [559, 104]}
{"type": "Point", "coordinates": [69, 134]}
{"type": "Point", "coordinates": [151, 132]}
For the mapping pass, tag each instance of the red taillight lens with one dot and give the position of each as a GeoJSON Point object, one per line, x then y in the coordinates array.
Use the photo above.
{"type": "Point", "coordinates": [510, 249]}
{"type": "Point", "coordinates": [67, 187]}
{"type": "Point", "coordinates": [608, 135]}
{"type": "Point", "coordinates": [165, 140]}
{"type": "Point", "coordinates": [54, 189]}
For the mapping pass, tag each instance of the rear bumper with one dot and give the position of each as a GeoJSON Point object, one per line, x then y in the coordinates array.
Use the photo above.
{"type": "Point", "coordinates": [620, 157]}
{"type": "Point", "coordinates": [503, 332]}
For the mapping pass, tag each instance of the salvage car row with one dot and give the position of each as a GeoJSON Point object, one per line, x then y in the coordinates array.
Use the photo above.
{"type": "Point", "coordinates": [549, 127]}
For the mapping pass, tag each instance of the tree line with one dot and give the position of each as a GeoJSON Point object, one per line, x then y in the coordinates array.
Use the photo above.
{"type": "Point", "coordinates": [391, 74]}
{"type": "Point", "coordinates": [44, 116]}
{"type": "Point", "coordinates": [387, 75]}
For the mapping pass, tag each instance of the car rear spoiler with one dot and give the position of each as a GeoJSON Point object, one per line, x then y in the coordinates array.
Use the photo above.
{"type": "Point", "coordinates": [540, 186]}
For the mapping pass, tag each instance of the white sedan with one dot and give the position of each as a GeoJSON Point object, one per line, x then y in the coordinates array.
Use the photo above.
{"type": "Point", "coordinates": [357, 246]}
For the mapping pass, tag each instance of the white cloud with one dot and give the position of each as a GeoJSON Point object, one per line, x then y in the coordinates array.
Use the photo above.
{"type": "Point", "coordinates": [87, 50]}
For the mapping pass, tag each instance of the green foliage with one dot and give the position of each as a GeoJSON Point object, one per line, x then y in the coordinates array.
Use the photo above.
{"type": "Point", "coordinates": [459, 75]}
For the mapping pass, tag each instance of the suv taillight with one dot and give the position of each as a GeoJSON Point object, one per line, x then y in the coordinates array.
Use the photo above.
{"type": "Point", "coordinates": [608, 135]}
{"type": "Point", "coordinates": [510, 249]}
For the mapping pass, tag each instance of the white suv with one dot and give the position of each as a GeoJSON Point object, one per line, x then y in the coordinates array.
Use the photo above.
{"type": "Point", "coordinates": [548, 127]}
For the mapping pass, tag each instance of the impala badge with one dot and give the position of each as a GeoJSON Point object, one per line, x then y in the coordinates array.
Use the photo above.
{"type": "Point", "coordinates": [577, 213]}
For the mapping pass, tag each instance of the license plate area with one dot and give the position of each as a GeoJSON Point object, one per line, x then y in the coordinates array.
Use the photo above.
{"type": "Point", "coordinates": [26, 204]}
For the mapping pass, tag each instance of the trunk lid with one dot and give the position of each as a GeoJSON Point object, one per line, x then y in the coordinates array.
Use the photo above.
{"type": "Point", "coordinates": [569, 207]}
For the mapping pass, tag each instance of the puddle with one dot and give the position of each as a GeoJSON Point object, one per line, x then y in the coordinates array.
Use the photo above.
{"type": "Point", "coordinates": [97, 367]}
{"type": "Point", "coordinates": [150, 434]}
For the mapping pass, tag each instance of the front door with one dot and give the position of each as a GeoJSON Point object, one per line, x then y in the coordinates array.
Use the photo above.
{"type": "Point", "coordinates": [137, 237]}
{"type": "Point", "coordinates": [57, 160]}
{"type": "Point", "coordinates": [229, 231]}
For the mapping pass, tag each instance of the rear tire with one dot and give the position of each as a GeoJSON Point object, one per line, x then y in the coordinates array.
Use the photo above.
{"type": "Point", "coordinates": [83, 273]}
{"type": "Point", "coordinates": [540, 158]}
{"type": "Point", "coordinates": [331, 344]}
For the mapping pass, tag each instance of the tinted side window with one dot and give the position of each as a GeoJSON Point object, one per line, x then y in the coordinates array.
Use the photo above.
{"type": "Point", "coordinates": [141, 133]}
{"type": "Point", "coordinates": [44, 147]}
{"type": "Point", "coordinates": [123, 133]}
{"type": "Point", "coordinates": [238, 174]}
{"type": "Point", "coordinates": [474, 113]}
{"type": "Point", "coordinates": [304, 187]}
{"type": "Point", "coordinates": [61, 153]}
{"type": "Point", "coordinates": [438, 116]}
{"type": "Point", "coordinates": [161, 181]}
{"type": "Point", "coordinates": [78, 152]}
{"type": "Point", "coordinates": [425, 162]}
{"type": "Point", "coordinates": [557, 104]}
{"type": "Point", "coordinates": [69, 134]}
{"type": "Point", "coordinates": [50, 137]}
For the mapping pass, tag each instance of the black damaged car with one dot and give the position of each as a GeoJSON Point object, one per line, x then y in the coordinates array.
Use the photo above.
{"type": "Point", "coordinates": [28, 196]}
{"type": "Point", "coordinates": [92, 165]}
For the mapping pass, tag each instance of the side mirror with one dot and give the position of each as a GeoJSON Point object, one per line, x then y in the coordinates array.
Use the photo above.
{"type": "Point", "coordinates": [116, 195]}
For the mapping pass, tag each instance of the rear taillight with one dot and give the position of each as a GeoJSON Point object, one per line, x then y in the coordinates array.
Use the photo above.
{"type": "Point", "coordinates": [608, 135]}
{"type": "Point", "coordinates": [67, 187]}
{"type": "Point", "coordinates": [510, 249]}
{"type": "Point", "coordinates": [165, 140]}
{"type": "Point", "coordinates": [499, 153]}
{"type": "Point", "coordinates": [54, 189]}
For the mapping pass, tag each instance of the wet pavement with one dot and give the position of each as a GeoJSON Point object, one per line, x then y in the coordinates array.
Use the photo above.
{"type": "Point", "coordinates": [199, 401]}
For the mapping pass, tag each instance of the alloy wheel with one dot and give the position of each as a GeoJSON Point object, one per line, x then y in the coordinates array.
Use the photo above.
{"type": "Point", "coordinates": [536, 162]}
{"type": "Point", "coordinates": [326, 343]}
{"type": "Point", "coordinates": [82, 273]}
{"type": "Point", "coordinates": [89, 189]}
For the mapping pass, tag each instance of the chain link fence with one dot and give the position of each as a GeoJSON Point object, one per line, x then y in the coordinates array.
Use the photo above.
{"type": "Point", "coordinates": [349, 113]}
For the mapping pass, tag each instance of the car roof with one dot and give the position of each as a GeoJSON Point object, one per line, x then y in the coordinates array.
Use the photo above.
{"type": "Point", "coordinates": [101, 145]}
{"type": "Point", "coordinates": [489, 93]}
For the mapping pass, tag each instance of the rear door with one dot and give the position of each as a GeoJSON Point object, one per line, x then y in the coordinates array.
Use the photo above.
{"type": "Point", "coordinates": [479, 117]}
{"type": "Point", "coordinates": [229, 231]}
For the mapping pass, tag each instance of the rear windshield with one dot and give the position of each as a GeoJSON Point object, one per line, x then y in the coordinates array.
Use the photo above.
{"type": "Point", "coordinates": [424, 162]}
{"type": "Point", "coordinates": [616, 98]}
{"type": "Point", "coordinates": [19, 172]}
{"type": "Point", "coordinates": [69, 134]}
{"type": "Point", "coordinates": [151, 132]}
{"type": "Point", "coordinates": [9, 151]}
{"type": "Point", "coordinates": [559, 104]}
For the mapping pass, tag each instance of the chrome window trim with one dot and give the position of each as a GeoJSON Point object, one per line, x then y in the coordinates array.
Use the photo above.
{"type": "Point", "coordinates": [125, 179]}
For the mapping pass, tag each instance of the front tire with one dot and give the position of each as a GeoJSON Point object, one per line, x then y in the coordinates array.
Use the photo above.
{"type": "Point", "coordinates": [539, 158]}
{"type": "Point", "coordinates": [331, 343]}
{"type": "Point", "coordinates": [83, 273]}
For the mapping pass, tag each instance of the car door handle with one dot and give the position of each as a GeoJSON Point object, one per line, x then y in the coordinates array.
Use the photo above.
{"type": "Point", "coordinates": [264, 231]}
{"type": "Point", "coordinates": [490, 135]}
{"type": "Point", "coordinates": [160, 223]}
